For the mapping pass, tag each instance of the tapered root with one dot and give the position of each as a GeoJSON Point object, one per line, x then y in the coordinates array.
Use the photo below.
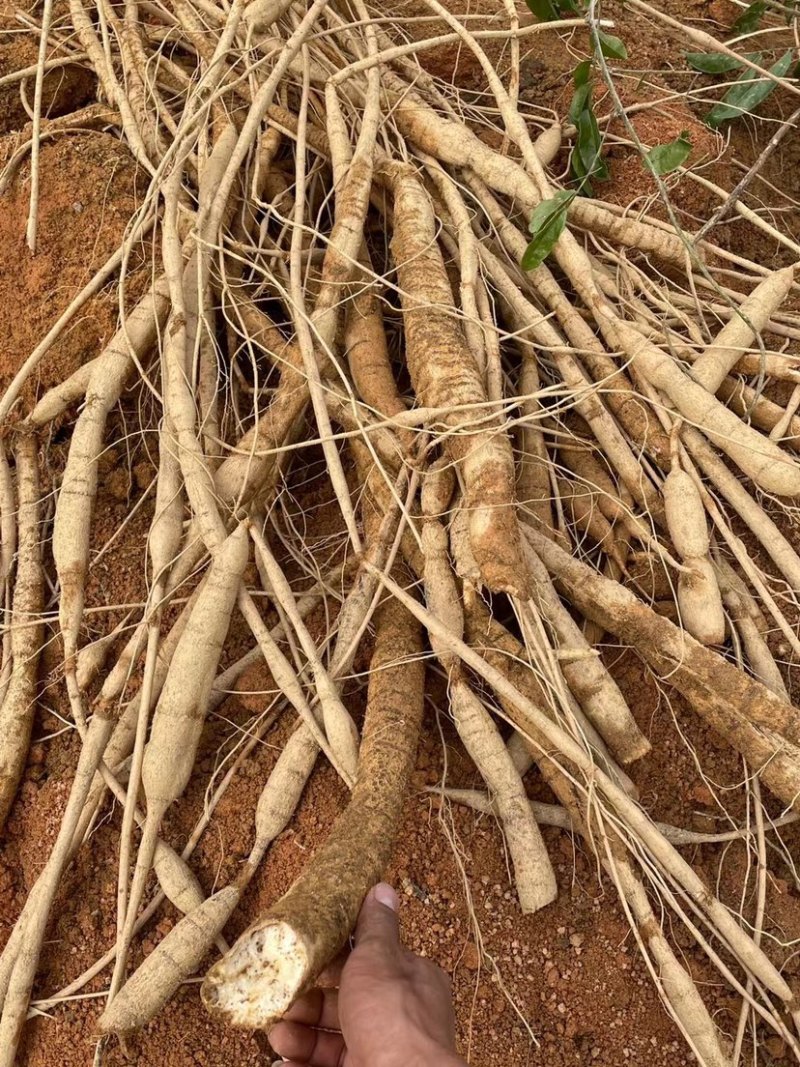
{"type": "Point", "coordinates": [283, 952]}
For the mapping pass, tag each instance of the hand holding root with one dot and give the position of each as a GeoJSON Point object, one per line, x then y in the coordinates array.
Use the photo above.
{"type": "Point", "coordinates": [392, 1008]}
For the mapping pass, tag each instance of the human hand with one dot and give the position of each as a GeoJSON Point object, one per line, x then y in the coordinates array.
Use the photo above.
{"type": "Point", "coordinates": [392, 1008]}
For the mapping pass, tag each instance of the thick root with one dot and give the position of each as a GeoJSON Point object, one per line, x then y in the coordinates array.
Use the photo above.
{"type": "Point", "coordinates": [282, 953]}
{"type": "Point", "coordinates": [444, 373]}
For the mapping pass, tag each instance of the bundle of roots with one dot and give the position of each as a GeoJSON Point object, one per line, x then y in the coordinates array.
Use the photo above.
{"type": "Point", "coordinates": [516, 456]}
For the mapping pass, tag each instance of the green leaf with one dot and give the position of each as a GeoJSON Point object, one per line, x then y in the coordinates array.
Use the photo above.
{"type": "Point", "coordinates": [550, 10]}
{"type": "Point", "coordinates": [589, 145]}
{"type": "Point", "coordinates": [580, 101]}
{"type": "Point", "coordinates": [664, 158]}
{"type": "Point", "coordinates": [712, 62]}
{"type": "Point", "coordinates": [747, 92]}
{"type": "Point", "coordinates": [546, 226]}
{"type": "Point", "coordinates": [749, 19]}
{"type": "Point", "coordinates": [544, 10]}
{"type": "Point", "coordinates": [612, 47]}
{"type": "Point", "coordinates": [582, 73]}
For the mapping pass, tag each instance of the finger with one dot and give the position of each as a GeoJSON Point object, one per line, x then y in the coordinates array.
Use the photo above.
{"type": "Point", "coordinates": [288, 1063]}
{"type": "Point", "coordinates": [331, 977]}
{"type": "Point", "coordinates": [378, 929]}
{"type": "Point", "coordinates": [320, 1008]}
{"type": "Point", "coordinates": [317, 1048]}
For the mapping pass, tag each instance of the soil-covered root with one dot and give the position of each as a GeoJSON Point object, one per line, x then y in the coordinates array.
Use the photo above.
{"type": "Point", "coordinates": [174, 959]}
{"type": "Point", "coordinates": [444, 374]}
{"type": "Point", "coordinates": [680, 991]}
{"type": "Point", "coordinates": [368, 358]}
{"type": "Point", "coordinates": [76, 497]}
{"type": "Point", "coordinates": [534, 877]}
{"type": "Point", "coordinates": [762, 726]}
{"type": "Point", "coordinates": [283, 952]}
{"type": "Point", "coordinates": [27, 631]}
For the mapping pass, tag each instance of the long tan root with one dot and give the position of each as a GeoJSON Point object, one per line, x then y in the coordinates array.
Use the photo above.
{"type": "Point", "coordinates": [284, 951]}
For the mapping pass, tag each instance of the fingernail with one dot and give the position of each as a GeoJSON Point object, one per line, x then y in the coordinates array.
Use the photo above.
{"type": "Point", "coordinates": [384, 894]}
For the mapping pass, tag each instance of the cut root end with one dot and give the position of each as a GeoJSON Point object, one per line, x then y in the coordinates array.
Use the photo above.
{"type": "Point", "coordinates": [260, 978]}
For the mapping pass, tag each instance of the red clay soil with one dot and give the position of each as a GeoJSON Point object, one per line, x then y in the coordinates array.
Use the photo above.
{"type": "Point", "coordinates": [564, 987]}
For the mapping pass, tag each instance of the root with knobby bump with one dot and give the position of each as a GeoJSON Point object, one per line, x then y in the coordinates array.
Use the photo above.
{"type": "Point", "coordinates": [59, 397]}
{"type": "Point", "coordinates": [443, 372]}
{"type": "Point", "coordinates": [19, 702]}
{"type": "Point", "coordinates": [282, 953]}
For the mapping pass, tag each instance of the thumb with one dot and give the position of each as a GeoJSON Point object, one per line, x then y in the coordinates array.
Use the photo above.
{"type": "Point", "coordinates": [378, 929]}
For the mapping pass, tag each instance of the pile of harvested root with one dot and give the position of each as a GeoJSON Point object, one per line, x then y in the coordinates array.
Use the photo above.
{"type": "Point", "coordinates": [335, 240]}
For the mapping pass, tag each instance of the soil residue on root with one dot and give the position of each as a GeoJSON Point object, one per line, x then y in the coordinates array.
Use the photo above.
{"type": "Point", "coordinates": [567, 987]}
